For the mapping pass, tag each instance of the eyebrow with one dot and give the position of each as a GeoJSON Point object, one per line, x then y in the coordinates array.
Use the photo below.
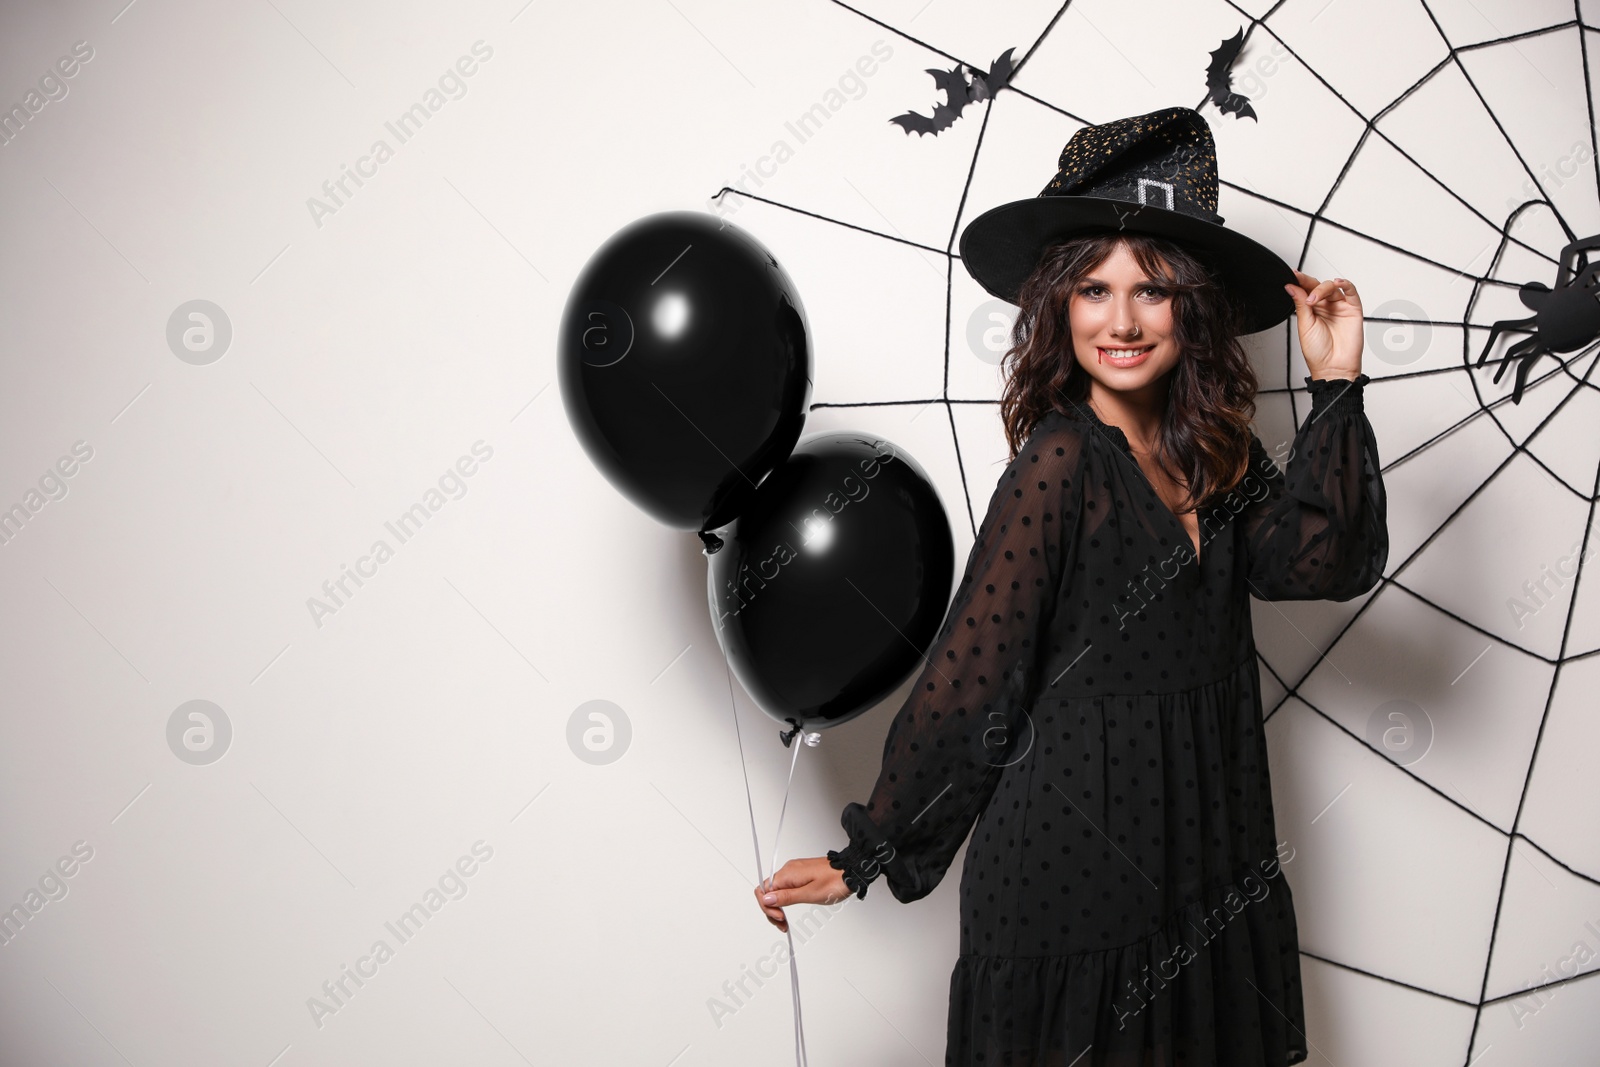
{"type": "Point", "coordinates": [1102, 281]}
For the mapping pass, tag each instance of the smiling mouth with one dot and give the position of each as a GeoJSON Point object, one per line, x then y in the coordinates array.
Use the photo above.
{"type": "Point", "coordinates": [1123, 355]}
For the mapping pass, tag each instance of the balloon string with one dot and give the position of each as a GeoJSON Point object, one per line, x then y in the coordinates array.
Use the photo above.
{"type": "Point", "coordinates": [766, 880]}
{"type": "Point", "coordinates": [739, 736]}
{"type": "Point", "coordinates": [794, 971]}
{"type": "Point", "coordinates": [772, 867]}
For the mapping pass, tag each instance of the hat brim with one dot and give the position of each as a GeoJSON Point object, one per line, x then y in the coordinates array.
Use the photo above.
{"type": "Point", "coordinates": [1002, 246]}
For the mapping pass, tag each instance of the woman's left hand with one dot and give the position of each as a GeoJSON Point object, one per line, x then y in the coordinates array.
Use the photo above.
{"type": "Point", "coordinates": [1332, 330]}
{"type": "Point", "coordinates": [800, 881]}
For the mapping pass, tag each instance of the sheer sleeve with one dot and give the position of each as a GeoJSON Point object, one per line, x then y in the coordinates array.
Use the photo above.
{"type": "Point", "coordinates": [1320, 532]}
{"type": "Point", "coordinates": [946, 746]}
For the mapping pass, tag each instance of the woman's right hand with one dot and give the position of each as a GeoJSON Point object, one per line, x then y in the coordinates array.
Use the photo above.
{"type": "Point", "coordinates": [804, 881]}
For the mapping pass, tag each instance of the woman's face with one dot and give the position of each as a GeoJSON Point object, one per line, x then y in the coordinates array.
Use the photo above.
{"type": "Point", "coordinates": [1122, 325]}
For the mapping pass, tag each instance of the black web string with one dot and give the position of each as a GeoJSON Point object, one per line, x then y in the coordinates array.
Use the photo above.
{"type": "Point", "coordinates": [1485, 407]}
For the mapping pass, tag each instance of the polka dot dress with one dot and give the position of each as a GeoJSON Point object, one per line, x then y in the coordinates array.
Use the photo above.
{"type": "Point", "coordinates": [1090, 713]}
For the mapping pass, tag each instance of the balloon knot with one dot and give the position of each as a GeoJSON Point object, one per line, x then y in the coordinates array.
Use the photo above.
{"type": "Point", "coordinates": [713, 543]}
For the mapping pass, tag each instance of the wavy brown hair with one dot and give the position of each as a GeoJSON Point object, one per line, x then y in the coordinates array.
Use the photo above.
{"type": "Point", "coordinates": [1204, 436]}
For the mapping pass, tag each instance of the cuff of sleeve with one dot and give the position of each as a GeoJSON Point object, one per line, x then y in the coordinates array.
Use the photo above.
{"type": "Point", "coordinates": [850, 862]}
{"type": "Point", "coordinates": [1340, 396]}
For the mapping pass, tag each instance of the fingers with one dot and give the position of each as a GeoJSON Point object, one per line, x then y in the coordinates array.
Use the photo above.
{"type": "Point", "coordinates": [1298, 293]}
{"type": "Point", "coordinates": [1321, 289]}
{"type": "Point", "coordinates": [790, 875]}
{"type": "Point", "coordinates": [1331, 290]}
{"type": "Point", "coordinates": [1311, 291]}
{"type": "Point", "coordinates": [773, 912]}
{"type": "Point", "coordinates": [799, 881]}
{"type": "Point", "coordinates": [781, 898]}
{"type": "Point", "coordinates": [1344, 289]}
{"type": "Point", "coordinates": [779, 891]}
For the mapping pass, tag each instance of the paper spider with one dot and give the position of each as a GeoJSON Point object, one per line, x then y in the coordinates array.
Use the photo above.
{"type": "Point", "coordinates": [1564, 319]}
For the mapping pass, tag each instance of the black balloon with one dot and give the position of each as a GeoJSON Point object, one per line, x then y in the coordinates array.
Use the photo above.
{"type": "Point", "coordinates": [834, 579]}
{"type": "Point", "coordinates": [685, 365]}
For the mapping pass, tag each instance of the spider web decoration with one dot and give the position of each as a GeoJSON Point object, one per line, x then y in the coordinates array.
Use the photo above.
{"type": "Point", "coordinates": [1442, 153]}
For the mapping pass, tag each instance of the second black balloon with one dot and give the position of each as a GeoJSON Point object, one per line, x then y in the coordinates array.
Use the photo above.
{"type": "Point", "coordinates": [833, 580]}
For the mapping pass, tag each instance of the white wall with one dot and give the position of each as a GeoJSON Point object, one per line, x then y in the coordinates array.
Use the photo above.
{"type": "Point", "coordinates": [374, 344]}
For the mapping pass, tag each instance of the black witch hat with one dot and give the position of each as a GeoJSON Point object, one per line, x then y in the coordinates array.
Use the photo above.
{"type": "Point", "coordinates": [1153, 174]}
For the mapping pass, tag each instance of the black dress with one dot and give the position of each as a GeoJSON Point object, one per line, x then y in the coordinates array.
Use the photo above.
{"type": "Point", "coordinates": [1092, 702]}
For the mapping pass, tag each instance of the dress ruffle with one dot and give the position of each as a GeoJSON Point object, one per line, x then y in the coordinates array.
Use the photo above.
{"type": "Point", "coordinates": [1216, 985]}
{"type": "Point", "coordinates": [850, 864]}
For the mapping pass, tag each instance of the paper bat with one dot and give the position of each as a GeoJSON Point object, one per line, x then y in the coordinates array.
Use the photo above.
{"type": "Point", "coordinates": [958, 91]}
{"type": "Point", "coordinates": [1219, 79]}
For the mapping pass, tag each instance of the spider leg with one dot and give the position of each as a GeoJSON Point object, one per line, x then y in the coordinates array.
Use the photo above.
{"type": "Point", "coordinates": [1527, 348]}
{"type": "Point", "coordinates": [1569, 257]}
{"type": "Point", "coordinates": [1531, 357]}
{"type": "Point", "coordinates": [1502, 326]}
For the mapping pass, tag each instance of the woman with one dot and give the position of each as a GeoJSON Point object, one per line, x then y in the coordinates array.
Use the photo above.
{"type": "Point", "coordinates": [1091, 703]}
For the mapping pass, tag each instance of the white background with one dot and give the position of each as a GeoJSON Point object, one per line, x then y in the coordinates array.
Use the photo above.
{"type": "Point", "coordinates": [373, 346]}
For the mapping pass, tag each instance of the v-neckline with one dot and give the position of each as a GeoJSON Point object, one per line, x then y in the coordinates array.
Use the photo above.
{"type": "Point", "coordinates": [1120, 439]}
{"type": "Point", "coordinates": [1177, 521]}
